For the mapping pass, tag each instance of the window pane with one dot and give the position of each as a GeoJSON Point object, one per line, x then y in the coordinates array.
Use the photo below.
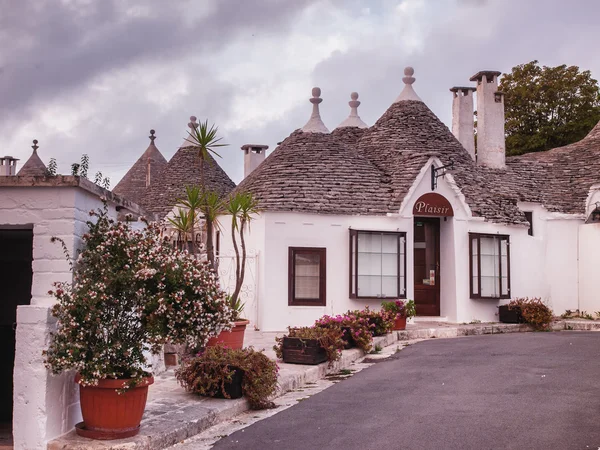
{"type": "Point", "coordinates": [369, 264]}
{"type": "Point", "coordinates": [504, 265]}
{"type": "Point", "coordinates": [490, 266]}
{"type": "Point", "coordinates": [402, 270]}
{"type": "Point", "coordinates": [307, 270]}
{"type": "Point", "coordinates": [475, 266]}
{"type": "Point", "coordinates": [389, 286]}
{"type": "Point", "coordinates": [369, 286]}
{"type": "Point", "coordinates": [369, 242]}
{"type": "Point", "coordinates": [389, 243]}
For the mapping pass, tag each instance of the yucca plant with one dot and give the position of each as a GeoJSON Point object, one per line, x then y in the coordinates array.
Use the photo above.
{"type": "Point", "coordinates": [242, 207]}
{"type": "Point", "coordinates": [205, 138]}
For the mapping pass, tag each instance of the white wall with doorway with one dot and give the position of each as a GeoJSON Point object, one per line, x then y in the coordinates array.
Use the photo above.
{"type": "Point", "coordinates": [45, 405]}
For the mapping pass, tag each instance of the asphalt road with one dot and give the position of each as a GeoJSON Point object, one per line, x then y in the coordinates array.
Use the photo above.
{"type": "Point", "coordinates": [514, 391]}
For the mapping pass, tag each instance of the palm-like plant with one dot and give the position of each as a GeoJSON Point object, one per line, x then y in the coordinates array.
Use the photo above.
{"type": "Point", "coordinates": [241, 206]}
{"type": "Point", "coordinates": [184, 227]}
{"type": "Point", "coordinates": [205, 138]}
{"type": "Point", "coordinates": [212, 207]}
{"type": "Point", "coordinates": [186, 218]}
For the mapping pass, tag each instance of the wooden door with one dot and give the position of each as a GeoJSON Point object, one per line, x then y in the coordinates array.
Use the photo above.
{"type": "Point", "coordinates": [427, 266]}
{"type": "Point", "coordinates": [16, 255]}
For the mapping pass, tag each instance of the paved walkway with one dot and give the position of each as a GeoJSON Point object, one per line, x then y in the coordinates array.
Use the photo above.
{"type": "Point", "coordinates": [172, 415]}
{"type": "Point", "coordinates": [535, 391]}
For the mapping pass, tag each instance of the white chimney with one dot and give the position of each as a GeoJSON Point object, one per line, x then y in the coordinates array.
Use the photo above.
{"type": "Point", "coordinates": [8, 166]}
{"type": "Point", "coordinates": [491, 146]}
{"type": "Point", "coordinates": [462, 117]}
{"type": "Point", "coordinates": [253, 155]}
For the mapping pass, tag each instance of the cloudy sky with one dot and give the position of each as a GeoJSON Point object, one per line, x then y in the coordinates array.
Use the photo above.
{"type": "Point", "coordinates": [94, 76]}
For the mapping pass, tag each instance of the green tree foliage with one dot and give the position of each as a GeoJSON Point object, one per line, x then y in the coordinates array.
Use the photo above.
{"type": "Point", "coordinates": [548, 107]}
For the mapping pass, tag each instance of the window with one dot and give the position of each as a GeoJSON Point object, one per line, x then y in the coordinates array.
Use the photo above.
{"type": "Point", "coordinates": [489, 266]}
{"type": "Point", "coordinates": [377, 264]}
{"type": "Point", "coordinates": [529, 217]}
{"type": "Point", "coordinates": [306, 282]}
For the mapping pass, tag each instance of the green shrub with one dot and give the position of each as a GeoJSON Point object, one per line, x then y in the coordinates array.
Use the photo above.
{"type": "Point", "coordinates": [534, 311]}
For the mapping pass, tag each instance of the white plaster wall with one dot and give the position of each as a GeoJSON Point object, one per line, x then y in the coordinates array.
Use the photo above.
{"type": "Point", "coordinates": [255, 273]}
{"type": "Point", "coordinates": [589, 265]}
{"type": "Point", "coordinates": [45, 405]}
{"type": "Point", "coordinates": [284, 230]}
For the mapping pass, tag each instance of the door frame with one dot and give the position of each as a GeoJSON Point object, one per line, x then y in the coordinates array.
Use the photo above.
{"type": "Point", "coordinates": [437, 288]}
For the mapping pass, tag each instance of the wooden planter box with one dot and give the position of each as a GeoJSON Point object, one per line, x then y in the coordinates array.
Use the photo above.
{"type": "Point", "coordinates": [233, 389]}
{"type": "Point", "coordinates": [510, 315]}
{"type": "Point", "coordinates": [303, 351]}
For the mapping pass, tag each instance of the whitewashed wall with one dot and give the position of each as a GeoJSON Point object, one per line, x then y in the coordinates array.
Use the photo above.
{"type": "Point", "coordinates": [544, 265]}
{"type": "Point", "coordinates": [45, 405]}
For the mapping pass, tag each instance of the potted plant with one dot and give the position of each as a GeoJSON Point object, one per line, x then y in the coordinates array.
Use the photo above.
{"type": "Point", "coordinates": [310, 345]}
{"type": "Point", "coordinates": [234, 337]}
{"type": "Point", "coordinates": [131, 292]}
{"type": "Point", "coordinates": [399, 311]}
{"type": "Point", "coordinates": [230, 373]}
{"type": "Point", "coordinates": [242, 207]}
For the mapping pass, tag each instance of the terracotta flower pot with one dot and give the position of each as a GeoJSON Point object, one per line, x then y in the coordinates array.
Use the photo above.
{"type": "Point", "coordinates": [231, 339]}
{"type": "Point", "coordinates": [400, 323]}
{"type": "Point", "coordinates": [108, 414]}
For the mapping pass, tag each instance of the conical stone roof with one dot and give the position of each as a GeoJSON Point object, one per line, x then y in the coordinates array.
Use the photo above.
{"type": "Point", "coordinates": [34, 166]}
{"type": "Point", "coordinates": [184, 169]}
{"type": "Point", "coordinates": [134, 184]}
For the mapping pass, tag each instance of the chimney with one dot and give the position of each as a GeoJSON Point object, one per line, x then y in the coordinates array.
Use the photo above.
{"type": "Point", "coordinates": [491, 146]}
{"type": "Point", "coordinates": [253, 155]}
{"type": "Point", "coordinates": [8, 166]}
{"type": "Point", "coordinates": [462, 117]}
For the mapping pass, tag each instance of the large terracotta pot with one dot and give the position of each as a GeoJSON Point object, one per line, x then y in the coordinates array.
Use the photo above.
{"type": "Point", "coordinates": [400, 323]}
{"type": "Point", "coordinates": [108, 414]}
{"type": "Point", "coordinates": [231, 339]}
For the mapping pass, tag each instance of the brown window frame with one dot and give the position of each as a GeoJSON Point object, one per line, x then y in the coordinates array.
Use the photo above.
{"type": "Point", "coordinates": [322, 300]}
{"type": "Point", "coordinates": [353, 264]}
{"type": "Point", "coordinates": [477, 237]}
{"type": "Point", "coordinates": [529, 217]}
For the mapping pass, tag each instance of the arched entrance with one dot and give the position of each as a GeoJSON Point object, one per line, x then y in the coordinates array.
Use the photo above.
{"type": "Point", "coordinates": [427, 211]}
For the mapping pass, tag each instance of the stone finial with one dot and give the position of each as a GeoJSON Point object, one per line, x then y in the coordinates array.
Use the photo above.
{"type": "Point", "coordinates": [35, 146]}
{"type": "Point", "coordinates": [353, 120]}
{"type": "Point", "coordinates": [315, 124]}
{"type": "Point", "coordinates": [408, 93]}
{"type": "Point", "coordinates": [152, 137]}
{"type": "Point", "coordinates": [193, 122]}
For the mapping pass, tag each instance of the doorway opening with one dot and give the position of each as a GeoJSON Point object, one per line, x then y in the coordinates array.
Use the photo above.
{"type": "Point", "coordinates": [16, 257]}
{"type": "Point", "coordinates": [427, 265]}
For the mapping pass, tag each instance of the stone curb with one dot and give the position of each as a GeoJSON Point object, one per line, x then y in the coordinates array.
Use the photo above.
{"type": "Point", "coordinates": [173, 427]}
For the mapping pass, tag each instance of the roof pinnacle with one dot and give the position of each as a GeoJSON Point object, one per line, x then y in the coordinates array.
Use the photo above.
{"type": "Point", "coordinates": [353, 120]}
{"type": "Point", "coordinates": [315, 124]}
{"type": "Point", "coordinates": [408, 93]}
{"type": "Point", "coordinates": [35, 146]}
{"type": "Point", "coordinates": [152, 137]}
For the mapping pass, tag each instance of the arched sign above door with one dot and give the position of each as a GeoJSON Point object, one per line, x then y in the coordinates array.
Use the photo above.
{"type": "Point", "coordinates": [432, 205]}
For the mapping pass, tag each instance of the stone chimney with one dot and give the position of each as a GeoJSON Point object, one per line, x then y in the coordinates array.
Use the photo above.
{"type": "Point", "coordinates": [462, 117]}
{"type": "Point", "coordinates": [491, 146]}
{"type": "Point", "coordinates": [253, 155]}
{"type": "Point", "coordinates": [8, 166]}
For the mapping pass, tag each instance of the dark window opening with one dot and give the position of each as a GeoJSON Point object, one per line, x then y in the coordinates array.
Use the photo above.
{"type": "Point", "coordinates": [377, 264]}
{"type": "Point", "coordinates": [489, 264]}
{"type": "Point", "coordinates": [306, 276]}
{"type": "Point", "coordinates": [529, 217]}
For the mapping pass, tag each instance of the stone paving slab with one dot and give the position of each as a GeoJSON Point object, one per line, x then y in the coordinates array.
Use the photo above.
{"type": "Point", "coordinates": [173, 415]}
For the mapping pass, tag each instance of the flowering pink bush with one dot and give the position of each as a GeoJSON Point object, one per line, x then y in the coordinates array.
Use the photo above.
{"type": "Point", "coordinates": [356, 329]}
{"type": "Point", "coordinates": [131, 292]}
{"type": "Point", "coordinates": [399, 308]}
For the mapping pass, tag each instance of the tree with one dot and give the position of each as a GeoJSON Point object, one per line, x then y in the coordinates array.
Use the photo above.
{"type": "Point", "coordinates": [548, 107]}
{"type": "Point", "coordinates": [205, 139]}
{"type": "Point", "coordinates": [242, 207]}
